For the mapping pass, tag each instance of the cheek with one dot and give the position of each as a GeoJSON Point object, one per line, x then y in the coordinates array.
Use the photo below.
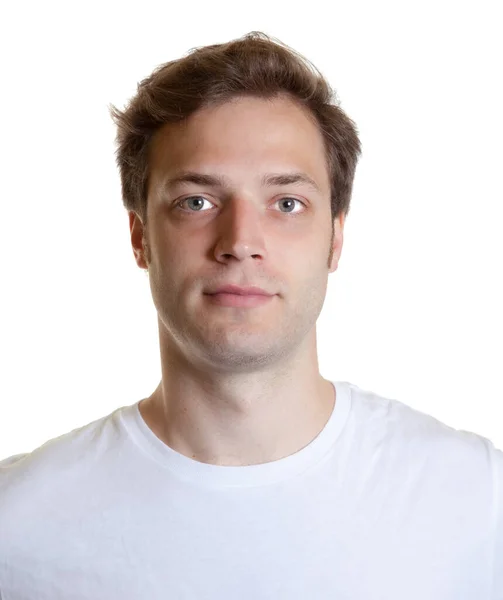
{"type": "Point", "coordinates": [170, 247]}
{"type": "Point", "coordinates": [311, 259]}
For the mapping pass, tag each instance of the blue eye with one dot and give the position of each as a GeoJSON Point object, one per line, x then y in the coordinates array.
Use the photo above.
{"type": "Point", "coordinates": [291, 200]}
{"type": "Point", "coordinates": [191, 198]}
{"type": "Point", "coordinates": [179, 204]}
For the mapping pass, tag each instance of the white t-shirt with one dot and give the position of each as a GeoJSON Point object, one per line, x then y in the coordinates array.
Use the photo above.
{"type": "Point", "coordinates": [386, 503]}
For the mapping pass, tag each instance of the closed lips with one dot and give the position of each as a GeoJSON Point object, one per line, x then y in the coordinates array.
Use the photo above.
{"type": "Point", "coordinates": [241, 291]}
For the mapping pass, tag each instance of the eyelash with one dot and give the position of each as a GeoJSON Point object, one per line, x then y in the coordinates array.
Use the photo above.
{"type": "Point", "coordinates": [178, 204]}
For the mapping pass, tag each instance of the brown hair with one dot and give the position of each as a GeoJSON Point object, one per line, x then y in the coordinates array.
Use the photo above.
{"type": "Point", "coordinates": [253, 65]}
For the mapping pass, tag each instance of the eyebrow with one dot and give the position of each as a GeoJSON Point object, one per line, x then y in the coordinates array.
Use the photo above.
{"type": "Point", "coordinates": [269, 179]}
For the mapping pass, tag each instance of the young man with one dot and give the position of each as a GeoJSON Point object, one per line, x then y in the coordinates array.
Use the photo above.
{"type": "Point", "coordinates": [246, 474]}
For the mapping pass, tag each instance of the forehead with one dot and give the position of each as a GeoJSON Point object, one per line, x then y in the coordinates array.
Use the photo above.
{"type": "Point", "coordinates": [246, 134]}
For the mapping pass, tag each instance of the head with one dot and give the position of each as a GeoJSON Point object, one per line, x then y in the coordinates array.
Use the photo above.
{"type": "Point", "coordinates": [264, 162]}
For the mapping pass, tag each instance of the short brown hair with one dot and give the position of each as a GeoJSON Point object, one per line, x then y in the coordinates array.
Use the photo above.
{"type": "Point", "coordinates": [253, 65]}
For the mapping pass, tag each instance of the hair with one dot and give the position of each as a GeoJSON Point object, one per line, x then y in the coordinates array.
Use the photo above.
{"type": "Point", "coordinates": [253, 65]}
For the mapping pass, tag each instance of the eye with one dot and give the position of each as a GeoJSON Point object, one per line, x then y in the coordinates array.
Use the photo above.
{"type": "Point", "coordinates": [199, 198]}
{"type": "Point", "coordinates": [291, 201]}
{"type": "Point", "coordinates": [202, 199]}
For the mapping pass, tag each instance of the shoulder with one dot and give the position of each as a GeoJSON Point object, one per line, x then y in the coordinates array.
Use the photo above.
{"type": "Point", "coordinates": [55, 462]}
{"type": "Point", "coordinates": [415, 436]}
{"type": "Point", "coordinates": [397, 417]}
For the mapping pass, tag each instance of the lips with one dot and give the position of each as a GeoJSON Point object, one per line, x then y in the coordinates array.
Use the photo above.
{"type": "Point", "coordinates": [243, 301]}
{"type": "Point", "coordinates": [240, 291]}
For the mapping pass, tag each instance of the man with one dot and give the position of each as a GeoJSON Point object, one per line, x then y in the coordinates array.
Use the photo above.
{"type": "Point", "coordinates": [246, 474]}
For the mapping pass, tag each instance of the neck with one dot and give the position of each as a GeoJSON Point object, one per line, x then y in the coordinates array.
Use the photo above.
{"type": "Point", "coordinates": [211, 424]}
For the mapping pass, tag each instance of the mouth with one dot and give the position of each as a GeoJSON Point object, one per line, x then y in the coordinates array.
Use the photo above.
{"type": "Point", "coordinates": [239, 300]}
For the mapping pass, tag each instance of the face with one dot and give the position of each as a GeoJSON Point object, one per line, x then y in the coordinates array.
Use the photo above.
{"type": "Point", "coordinates": [235, 226]}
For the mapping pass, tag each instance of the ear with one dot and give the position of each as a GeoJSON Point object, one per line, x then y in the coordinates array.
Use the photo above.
{"type": "Point", "coordinates": [138, 233]}
{"type": "Point", "coordinates": [336, 243]}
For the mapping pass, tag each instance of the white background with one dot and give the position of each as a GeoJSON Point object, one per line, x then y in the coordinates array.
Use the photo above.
{"type": "Point", "coordinates": [414, 311]}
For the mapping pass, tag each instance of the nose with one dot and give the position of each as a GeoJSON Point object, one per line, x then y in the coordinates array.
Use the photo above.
{"type": "Point", "coordinates": [240, 231]}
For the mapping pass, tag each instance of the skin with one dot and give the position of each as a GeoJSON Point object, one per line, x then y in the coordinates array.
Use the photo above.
{"type": "Point", "coordinates": [240, 386]}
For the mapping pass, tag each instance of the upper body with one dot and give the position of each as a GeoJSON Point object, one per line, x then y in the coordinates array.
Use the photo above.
{"type": "Point", "coordinates": [385, 503]}
{"type": "Point", "coordinates": [243, 474]}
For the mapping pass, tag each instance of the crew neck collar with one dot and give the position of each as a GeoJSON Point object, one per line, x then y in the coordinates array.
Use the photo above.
{"type": "Point", "coordinates": [210, 475]}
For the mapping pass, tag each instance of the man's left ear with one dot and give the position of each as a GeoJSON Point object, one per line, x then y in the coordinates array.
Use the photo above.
{"type": "Point", "coordinates": [336, 243]}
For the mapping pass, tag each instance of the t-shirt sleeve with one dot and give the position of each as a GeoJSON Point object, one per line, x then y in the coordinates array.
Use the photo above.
{"type": "Point", "coordinates": [498, 549]}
